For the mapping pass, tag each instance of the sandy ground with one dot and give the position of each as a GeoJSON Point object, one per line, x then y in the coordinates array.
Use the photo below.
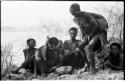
{"type": "Point", "coordinates": [101, 75]}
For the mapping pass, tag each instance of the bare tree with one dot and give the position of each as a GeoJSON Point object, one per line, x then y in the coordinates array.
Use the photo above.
{"type": "Point", "coordinates": [115, 18]}
{"type": "Point", "coordinates": [6, 59]}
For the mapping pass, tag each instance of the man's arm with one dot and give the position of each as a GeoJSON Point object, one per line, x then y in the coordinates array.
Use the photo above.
{"type": "Point", "coordinates": [24, 51]}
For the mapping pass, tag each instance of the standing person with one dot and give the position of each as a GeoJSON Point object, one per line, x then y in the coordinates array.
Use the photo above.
{"type": "Point", "coordinates": [71, 54]}
{"type": "Point", "coordinates": [94, 31]}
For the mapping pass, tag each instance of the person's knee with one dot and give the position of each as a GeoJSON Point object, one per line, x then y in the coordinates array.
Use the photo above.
{"type": "Point", "coordinates": [92, 44]}
{"type": "Point", "coordinates": [38, 59]}
{"type": "Point", "coordinates": [89, 48]}
{"type": "Point", "coordinates": [82, 44]}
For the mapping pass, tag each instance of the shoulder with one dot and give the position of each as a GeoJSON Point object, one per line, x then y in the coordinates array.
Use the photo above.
{"type": "Point", "coordinates": [86, 13]}
{"type": "Point", "coordinates": [78, 41]}
{"type": "Point", "coordinates": [41, 47]}
{"type": "Point", "coordinates": [25, 50]}
{"type": "Point", "coordinates": [60, 41]}
{"type": "Point", "coordinates": [67, 41]}
{"type": "Point", "coordinates": [121, 55]}
{"type": "Point", "coordinates": [36, 49]}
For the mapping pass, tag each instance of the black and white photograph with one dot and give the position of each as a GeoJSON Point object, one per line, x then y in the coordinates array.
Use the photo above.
{"type": "Point", "coordinates": [62, 40]}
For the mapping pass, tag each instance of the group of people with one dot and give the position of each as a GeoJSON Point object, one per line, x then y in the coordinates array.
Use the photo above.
{"type": "Point", "coordinates": [79, 54]}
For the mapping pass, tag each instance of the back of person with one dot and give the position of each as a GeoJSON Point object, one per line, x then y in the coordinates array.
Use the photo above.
{"type": "Point", "coordinates": [101, 21]}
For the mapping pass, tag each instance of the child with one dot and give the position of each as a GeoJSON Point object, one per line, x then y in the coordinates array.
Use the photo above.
{"type": "Point", "coordinates": [29, 54]}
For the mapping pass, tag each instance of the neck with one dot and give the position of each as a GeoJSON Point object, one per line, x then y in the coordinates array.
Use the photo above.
{"type": "Point", "coordinates": [31, 48]}
{"type": "Point", "coordinates": [73, 39]}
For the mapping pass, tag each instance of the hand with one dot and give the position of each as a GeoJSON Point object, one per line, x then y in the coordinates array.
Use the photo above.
{"type": "Point", "coordinates": [44, 59]}
{"type": "Point", "coordinates": [77, 49]}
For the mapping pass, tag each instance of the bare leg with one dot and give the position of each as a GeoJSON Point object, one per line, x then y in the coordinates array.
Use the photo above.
{"type": "Point", "coordinates": [91, 54]}
{"type": "Point", "coordinates": [83, 53]}
{"type": "Point", "coordinates": [24, 64]}
{"type": "Point", "coordinates": [41, 66]}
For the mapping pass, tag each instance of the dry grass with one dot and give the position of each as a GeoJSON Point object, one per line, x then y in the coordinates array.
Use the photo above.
{"type": "Point", "coordinates": [101, 75]}
{"type": "Point", "coordinates": [6, 60]}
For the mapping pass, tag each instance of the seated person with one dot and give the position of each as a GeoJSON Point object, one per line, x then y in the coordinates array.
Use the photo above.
{"type": "Point", "coordinates": [115, 59]}
{"type": "Point", "coordinates": [29, 54]}
{"type": "Point", "coordinates": [71, 56]}
{"type": "Point", "coordinates": [50, 54]}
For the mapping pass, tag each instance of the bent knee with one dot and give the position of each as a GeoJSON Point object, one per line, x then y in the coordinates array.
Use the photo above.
{"type": "Point", "coordinates": [37, 59]}
{"type": "Point", "coordinates": [89, 48]}
{"type": "Point", "coordinates": [82, 44]}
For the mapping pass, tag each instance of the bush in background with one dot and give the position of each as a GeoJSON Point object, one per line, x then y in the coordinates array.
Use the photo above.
{"type": "Point", "coordinates": [6, 60]}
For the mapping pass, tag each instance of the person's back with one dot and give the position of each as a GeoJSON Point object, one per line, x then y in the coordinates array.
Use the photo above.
{"type": "Point", "coordinates": [90, 24]}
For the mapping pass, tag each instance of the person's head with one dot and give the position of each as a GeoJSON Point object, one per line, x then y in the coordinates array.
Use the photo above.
{"type": "Point", "coordinates": [52, 46]}
{"type": "Point", "coordinates": [73, 32]}
{"type": "Point", "coordinates": [53, 42]}
{"type": "Point", "coordinates": [74, 8]}
{"type": "Point", "coordinates": [115, 48]}
{"type": "Point", "coordinates": [31, 43]}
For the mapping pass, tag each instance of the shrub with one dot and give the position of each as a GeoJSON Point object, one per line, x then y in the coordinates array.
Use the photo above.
{"type": "Point", "coordinates": [6, 60]}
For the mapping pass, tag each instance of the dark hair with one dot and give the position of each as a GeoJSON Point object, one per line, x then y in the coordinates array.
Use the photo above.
{"type": "Point", "coordinates": [115, 44]}
{"type": "Point", "coordinates": [53, 41]}
{"type": "Point", "coordinates": [75, 6]}
{"type": "Point", "coordinates": [73, 28]}
{"type": "Point", "coordinates": [31, 39]}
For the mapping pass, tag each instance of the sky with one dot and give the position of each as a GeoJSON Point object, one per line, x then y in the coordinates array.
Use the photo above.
{"type": "Point", "coordinates": [26, 14]}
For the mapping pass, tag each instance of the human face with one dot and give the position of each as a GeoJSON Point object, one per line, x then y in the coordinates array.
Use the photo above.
{"type": "Point", "coordinates": [74, 11]}
{"type": "Point", "coordinates": [32, 44]}
{"type": "Point", "coordinates": [51, 46]}
{"type": "Point", "coordinates": [73, 34]}
{"type": "Point", "coordinates": [115, 50]}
